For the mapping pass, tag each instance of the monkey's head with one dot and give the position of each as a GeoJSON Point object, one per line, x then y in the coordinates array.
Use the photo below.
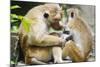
{"type": "Point", "coordinates": [53, 15]}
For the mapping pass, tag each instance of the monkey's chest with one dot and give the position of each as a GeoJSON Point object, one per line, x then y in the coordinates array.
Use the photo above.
{"type": "Point", "coordinates": [40, 53]}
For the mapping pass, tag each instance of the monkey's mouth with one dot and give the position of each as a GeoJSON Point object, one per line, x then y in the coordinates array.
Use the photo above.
{"type": "Point", "coordinates": [56, 26]}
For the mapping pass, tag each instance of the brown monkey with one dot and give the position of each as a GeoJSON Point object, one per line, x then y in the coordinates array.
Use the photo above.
{"type": "Point", "coordinates": [37, 45]}
{"type": "Point", "coordinates": [78, 49]}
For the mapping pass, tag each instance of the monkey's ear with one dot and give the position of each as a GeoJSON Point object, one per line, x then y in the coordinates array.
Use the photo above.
{"type": "Point", "coordinates": [46, 15]}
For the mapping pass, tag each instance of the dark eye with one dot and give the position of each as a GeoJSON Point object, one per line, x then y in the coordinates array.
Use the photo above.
{"type": "Point", "coordinates": [72, 14]}
{"type": "Point", "coordinates": [46, 15]}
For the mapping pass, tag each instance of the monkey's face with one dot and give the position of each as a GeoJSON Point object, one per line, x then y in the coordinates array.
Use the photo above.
{"type": "Point", "coordinates": [53, 15]}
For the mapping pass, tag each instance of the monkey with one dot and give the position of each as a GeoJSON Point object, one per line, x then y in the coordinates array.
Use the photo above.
{"type": "Point", "coordinates": [79, 48]}
{"type": "Point", "coordinates": [38, 45]}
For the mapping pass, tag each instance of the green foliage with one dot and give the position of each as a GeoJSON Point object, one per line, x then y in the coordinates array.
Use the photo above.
{"type": "Point", "coordinates": [26, 24]}
{"type": "Point", "coordinates": [15, 18]}
{"type": "Point", "coordinates": [15, 7]}
{"type": "Point", "coordinates": [14, 29]}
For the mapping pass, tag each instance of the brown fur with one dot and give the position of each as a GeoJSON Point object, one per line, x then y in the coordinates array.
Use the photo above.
{"type": "Point", "coordinates": [77, 24]}
{"type": "Point", "coordinates": [37, 44]}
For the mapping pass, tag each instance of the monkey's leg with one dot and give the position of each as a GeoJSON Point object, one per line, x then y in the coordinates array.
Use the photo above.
{"type": "Point", "coordinates": [73, 52]}
{"type": "Point", "coordinates": [57, 54]}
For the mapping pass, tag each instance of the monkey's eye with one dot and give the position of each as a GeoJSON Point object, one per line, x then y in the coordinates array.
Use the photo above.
{"type": "Point", "coordinates": [46, 15]}
{"type": "Point", "coordinates": [72, 14]}
{"type": "Point", "coordinates": [66, 32]}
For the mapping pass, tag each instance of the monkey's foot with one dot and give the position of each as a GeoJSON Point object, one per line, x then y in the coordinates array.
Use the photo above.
{"type": "Point", "coordinates": [61, 62]}
{"type": "Point", "coordinates": [35, 61]}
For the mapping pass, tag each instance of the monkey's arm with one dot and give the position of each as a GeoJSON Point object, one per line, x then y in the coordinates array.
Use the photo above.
{"type": "Point", "coordinates": [48, 40]}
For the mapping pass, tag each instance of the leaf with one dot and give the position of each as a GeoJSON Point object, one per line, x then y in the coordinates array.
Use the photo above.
{"type": "Point", "coordinates": [14, 16]}
{"type": "Point", "coordinates": [15, 7]}
{"type": "Point", "coordinates": [14, 29]}
{"type": "Point", "coordinates": [26, 24]}
{"type": "Point", "coordinates": [12, 62]}
{"type": "Point", "coordinates": [20, 17]}
{"type": "Point", "coordinates": [12, 21]}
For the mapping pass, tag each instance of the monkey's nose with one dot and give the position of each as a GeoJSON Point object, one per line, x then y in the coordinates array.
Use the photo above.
{"type": "Point", "coordinates": [57, 17]}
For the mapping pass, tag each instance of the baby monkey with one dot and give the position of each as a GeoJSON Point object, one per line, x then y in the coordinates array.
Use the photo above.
{"type": "Point", "coordinates": [78, 49]}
